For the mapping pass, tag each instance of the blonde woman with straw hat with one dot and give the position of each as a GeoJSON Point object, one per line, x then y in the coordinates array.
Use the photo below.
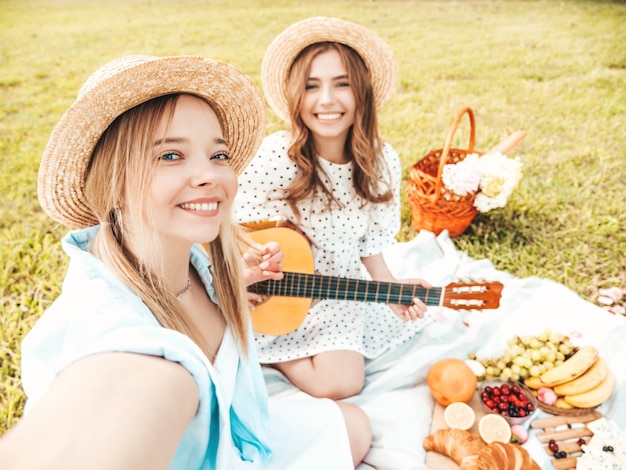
{"type": "Point", "coordinates": [332, 177]}
{"type": "Point", "coordinates": [146, 359]}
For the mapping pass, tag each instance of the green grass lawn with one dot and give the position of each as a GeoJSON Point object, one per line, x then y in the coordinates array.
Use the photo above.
{"type": "Point", "coordinates": [555, 69]}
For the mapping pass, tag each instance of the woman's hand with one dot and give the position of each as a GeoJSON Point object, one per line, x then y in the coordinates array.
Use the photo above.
{"type": "Point", "coordinates": [414, 311]}
{"type": "Point", "coordinates": [262, 262]}
{"type": "Point", "coordinates": [379, 271]}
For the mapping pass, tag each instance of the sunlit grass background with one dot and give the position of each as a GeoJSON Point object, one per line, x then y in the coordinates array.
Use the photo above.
{"type": "Point", "coordinates": [555, 69]}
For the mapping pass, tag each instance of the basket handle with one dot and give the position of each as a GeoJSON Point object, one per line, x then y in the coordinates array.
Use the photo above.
{"type": "Point", "coordinates": [448, 143]}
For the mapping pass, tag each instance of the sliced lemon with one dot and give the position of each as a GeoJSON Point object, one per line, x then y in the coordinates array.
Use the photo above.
{"type": "Point", "coordinates": [459, 415]}
{"type": "Point", "coordinates": [494, 428]}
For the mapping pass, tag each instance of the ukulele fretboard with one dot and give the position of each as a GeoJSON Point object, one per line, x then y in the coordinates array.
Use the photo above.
{"type": "Point", "coordinates": [338, 288]}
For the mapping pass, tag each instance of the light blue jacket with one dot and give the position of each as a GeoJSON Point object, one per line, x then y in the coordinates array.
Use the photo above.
{"type": "Point", "coordinates": [98, 313]}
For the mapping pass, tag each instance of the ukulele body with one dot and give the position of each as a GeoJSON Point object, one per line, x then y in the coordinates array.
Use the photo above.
{"type": "Point", "coordinates": [277, 315]}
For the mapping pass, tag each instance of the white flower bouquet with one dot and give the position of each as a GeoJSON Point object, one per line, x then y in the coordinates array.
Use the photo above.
{"type": "Point", "coordinates": [448, 187]}
{"type": "Point", "coordinates": [491, 177]}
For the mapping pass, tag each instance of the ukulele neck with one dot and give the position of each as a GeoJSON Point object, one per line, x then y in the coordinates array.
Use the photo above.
{"type": "Point", "coordinates": [337, 288]}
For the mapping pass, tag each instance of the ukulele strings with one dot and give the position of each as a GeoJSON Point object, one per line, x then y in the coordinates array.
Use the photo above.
{"type": "Point", "coordinates": [337, 288]}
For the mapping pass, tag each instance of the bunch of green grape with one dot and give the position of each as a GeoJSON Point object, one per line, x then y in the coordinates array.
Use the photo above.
{"type": "Point", "coordinates": [527, 356]}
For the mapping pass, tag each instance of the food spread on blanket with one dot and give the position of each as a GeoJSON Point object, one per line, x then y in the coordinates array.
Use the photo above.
{"type": "Point", "coordinates": [583, 381]}
{"type": "Point", "coordinates": [585, 441]}
{"type": "Point", "coordinates": [563, 375]}
{"type": "Point", "coordinates": [470, 452]}
{"type": "Point", "coordinates": [605, 450]}
{"type": "Point", "coordinates": [510, 399]}
{"type": "Point", "coordinates": [544, 371]}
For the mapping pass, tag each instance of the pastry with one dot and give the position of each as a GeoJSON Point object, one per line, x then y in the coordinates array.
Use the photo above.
{"type": "Point", "coordinates": [470, 452]}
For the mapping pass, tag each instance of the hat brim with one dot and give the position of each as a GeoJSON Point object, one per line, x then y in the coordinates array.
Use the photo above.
{"type": "Point", "coordinates": [235, 99]}
{"type": "Point", "coordinates": [284, 49]}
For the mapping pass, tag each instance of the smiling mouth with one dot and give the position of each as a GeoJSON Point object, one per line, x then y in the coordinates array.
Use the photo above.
{"type": "Point", "coordinates": [200, 206]}
{"type": "Point", "coordinates": [328, 116]}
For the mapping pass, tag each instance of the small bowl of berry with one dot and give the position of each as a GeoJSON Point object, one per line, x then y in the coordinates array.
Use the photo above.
{"type": "Point", "coordinates": [512, 400]}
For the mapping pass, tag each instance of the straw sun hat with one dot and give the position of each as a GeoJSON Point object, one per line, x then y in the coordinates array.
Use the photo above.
{"type": "Point", "coordinates": [123, 84]}
{"type": "Point", "coordinates": [282, 52]}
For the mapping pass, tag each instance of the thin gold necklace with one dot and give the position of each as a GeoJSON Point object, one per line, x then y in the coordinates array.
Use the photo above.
{"type": "Point", "coordinates": [180, 293]}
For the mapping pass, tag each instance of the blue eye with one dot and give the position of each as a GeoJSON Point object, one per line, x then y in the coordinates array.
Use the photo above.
{"type": "Point", "coordinates": [344, 84]}
{"type": "Point", "coordinates": [221, 156]}
{"type": "Point", "coordinates": [310, 86]}
{"type": "Point", "coordinates": [169, 156]}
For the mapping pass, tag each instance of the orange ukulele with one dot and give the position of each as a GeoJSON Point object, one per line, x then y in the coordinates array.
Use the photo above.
{"type": "Point", "coordinates": [286, 302]}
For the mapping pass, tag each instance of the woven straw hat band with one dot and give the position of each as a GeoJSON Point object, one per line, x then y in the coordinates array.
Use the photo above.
{"type": "Point", "coordinates": [286, 47]}
{"type": "Point", "coordinates": [123, 84]}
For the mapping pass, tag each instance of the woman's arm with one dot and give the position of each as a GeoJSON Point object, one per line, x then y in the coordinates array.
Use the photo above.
{"type": "Point", "coordinates": [110, 410]}
{"type": "Point", "coordinates": [379, 271]}
{"type": "Point", "coordinates": [377, 268]}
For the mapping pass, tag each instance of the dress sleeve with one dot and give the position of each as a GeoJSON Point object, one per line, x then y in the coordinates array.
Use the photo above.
{"type": "Point", "coordinates": [384, 218]}
{"type": "Point", "coordinates": [263, 183]}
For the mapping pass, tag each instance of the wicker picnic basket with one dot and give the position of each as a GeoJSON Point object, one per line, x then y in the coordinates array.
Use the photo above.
{"type": "Point", "coordinates": [433, 206]}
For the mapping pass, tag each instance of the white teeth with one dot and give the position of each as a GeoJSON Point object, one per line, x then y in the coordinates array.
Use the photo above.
{"type": "Point", "coordinates": [328, 117]}
{"type": "Point", "coordinates": [204, 206]}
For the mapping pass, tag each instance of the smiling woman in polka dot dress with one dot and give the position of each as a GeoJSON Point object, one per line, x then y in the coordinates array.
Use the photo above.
{"type": "Point", "coordinates": [336, 181]}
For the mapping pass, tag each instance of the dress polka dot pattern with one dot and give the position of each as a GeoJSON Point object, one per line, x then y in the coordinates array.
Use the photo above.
{"type": "Point", "coordinates": [340, 237]}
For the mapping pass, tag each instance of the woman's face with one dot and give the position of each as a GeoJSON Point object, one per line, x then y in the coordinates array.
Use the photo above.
{"type": "Point", "coordinates": [328, 104]}
{"type": "Point", "coordinates": [193, 185]}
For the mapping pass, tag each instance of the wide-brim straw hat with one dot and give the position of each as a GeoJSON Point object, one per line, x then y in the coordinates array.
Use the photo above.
{"type": "Point", "coordinates": [282, 52]}
{"type": "Point", "coordinates": [123, 84]}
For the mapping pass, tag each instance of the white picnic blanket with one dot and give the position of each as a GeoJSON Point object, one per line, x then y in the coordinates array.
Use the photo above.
{"type": "Point", "coordinates": [396, 396]}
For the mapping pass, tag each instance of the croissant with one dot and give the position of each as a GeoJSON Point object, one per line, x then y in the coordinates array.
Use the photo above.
{"type": "Point", "coordinates": [454, 443]}
{"type": "Point", "coordinates": [500, 456]}
{"type": "Point", "coordinates": [470, 452]}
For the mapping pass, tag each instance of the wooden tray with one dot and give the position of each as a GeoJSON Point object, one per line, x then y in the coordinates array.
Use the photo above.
{"type": "Point", "coordinates": [565, 430]}
{"type": "Point", "coordinates": [564, 411]}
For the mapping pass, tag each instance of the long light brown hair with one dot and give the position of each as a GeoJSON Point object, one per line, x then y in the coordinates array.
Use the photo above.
{"type": "Point", "coordinates": [371, 177]}
{"type": "Point", "coordinates": [119, 175]}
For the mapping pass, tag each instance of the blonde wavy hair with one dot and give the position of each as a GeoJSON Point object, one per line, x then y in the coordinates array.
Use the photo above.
{"type": "Point", "coordinates": [371, 177]}
{"type": "Point", "coordinates": [119, 175]}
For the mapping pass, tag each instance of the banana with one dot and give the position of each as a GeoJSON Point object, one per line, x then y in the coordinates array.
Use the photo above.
{"type": "Point", "coordinates": [594, 397]}
{"type": "Point", "coordinates": [533, 383]}
{"type": "Point", "coordinates": [573, 367]}
{"type": "Point", "coordinates": [562, 404]}
{"type": "Point", "coordinates": [591, 378]}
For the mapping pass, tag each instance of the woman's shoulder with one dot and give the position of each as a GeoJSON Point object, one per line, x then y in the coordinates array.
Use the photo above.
{"type": "Point", "coordinates": [272, 154]}
{"type": "Point", "coordinates": [388, 150]}
{"type": "Point", "coordinates": [390, 156]}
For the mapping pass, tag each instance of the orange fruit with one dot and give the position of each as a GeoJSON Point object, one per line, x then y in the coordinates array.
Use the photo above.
{"type": "Point", "coordinates": [494, 428]}
{"type": "Point", "coordinates": [451, 380]}
{"type": "Point", "coordinates": [459, 415]}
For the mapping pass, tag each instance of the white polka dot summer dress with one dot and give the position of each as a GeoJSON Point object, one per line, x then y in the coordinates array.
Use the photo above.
{"type": "Point", "coordinates": [339, 237]}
